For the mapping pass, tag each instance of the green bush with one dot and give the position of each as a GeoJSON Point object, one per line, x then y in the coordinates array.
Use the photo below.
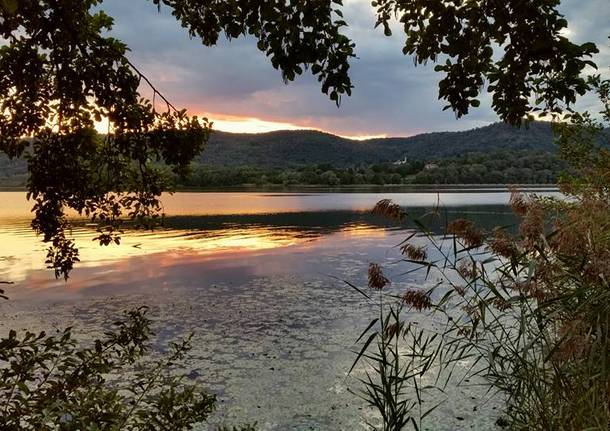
{"type": "Point", "coordinates": [56, 383]}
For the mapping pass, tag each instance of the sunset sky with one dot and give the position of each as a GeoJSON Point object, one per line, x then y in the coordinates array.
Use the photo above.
{"type": "Point", "coordinates": [237, 88]}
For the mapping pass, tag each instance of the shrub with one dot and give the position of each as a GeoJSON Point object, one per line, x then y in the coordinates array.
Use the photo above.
{"type": "Point", "coordinates": [54, 383]}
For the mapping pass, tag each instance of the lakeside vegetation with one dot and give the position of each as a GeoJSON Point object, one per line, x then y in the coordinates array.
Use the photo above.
{"type": "Point", "coordinates": [494, 154]}
{"type": "Point", "coordinates": [524, 167]}
{"type": "Point", "coordinates": [529, 311]}
{"type": "Point", "coordinates": [503, 167]}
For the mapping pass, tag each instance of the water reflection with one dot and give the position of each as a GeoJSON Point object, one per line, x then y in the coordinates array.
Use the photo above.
{"type": "Point", "coordinates": [14, 205]}
{"type": "Point", "coordinates": [273, 203]}
{"type": "Point", "coordinates": [215, 248]}
{"type": "Point", "coordinates": [248, 233]}
{"type": "Point", "coordinates": [196, 245]}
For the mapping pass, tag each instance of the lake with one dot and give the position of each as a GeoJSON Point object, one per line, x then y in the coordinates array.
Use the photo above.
{"type": "Point", "coordinates": [258, 278]}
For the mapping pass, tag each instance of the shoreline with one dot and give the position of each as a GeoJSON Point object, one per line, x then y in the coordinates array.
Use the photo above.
{"type": "Point", "coordinates": [359, 188]}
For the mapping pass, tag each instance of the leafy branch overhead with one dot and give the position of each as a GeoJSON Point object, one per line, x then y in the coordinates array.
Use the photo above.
{"type": "Point", "coordinates": [294, 34]}
{"type": "Point", "coordinates": [58, 76]}
{"type": "Point", "coordinates": [517, 47]}
{"type": "Point", "coordinates": [60, 72]}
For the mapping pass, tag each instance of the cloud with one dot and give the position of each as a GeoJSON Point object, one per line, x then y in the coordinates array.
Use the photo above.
{"type": "Point", "coordinates": [392, 96]}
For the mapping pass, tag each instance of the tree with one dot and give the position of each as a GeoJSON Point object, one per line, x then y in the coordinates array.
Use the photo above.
{"type": "Point", "coordinates": [537, 61]}
{"type": "Point", "coordinates": [329, 178]}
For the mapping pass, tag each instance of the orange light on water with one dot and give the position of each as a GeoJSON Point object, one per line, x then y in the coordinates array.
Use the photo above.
{"type": "Point", "coordinates": [25, 253]}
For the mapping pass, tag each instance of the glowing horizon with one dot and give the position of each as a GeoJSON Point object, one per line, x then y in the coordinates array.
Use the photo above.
{"type": "Point", "coordinates": [254, 125]}
{"type": "Point", "coordinates": [246, 124]}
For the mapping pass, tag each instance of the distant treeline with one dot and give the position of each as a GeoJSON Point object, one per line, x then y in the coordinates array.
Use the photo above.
{"type": "Point", "coordinates": [502, 167]}
{"type": "Point", "coordinates": [494, 154]}
{"type": "Point", "coordinates": [523, 167]}
{"type": "Point", "coordinates": [13, 173]}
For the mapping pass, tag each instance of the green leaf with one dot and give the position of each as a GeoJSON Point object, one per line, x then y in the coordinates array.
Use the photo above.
{"type": "Point", "coordinates": [362, 351]}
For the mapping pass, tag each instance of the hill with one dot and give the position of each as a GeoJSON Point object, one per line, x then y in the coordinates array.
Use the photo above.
{"type": "Point", "coordinates": [309, 147]}
{"type": "Point", "coordinates": [497, 153]}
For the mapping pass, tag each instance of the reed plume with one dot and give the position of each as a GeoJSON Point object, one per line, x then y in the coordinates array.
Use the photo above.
{"type": "Point", "coordinates": [377, 281]}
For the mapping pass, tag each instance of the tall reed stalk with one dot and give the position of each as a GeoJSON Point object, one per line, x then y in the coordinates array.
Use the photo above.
{"type": "Point", "coordinates": [528, 309]}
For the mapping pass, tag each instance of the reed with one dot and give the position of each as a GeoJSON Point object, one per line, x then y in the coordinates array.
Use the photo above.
{"type": "Point", "coordinates": [530, 310]}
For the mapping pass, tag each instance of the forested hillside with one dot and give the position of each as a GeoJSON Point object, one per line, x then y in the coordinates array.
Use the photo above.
{"type": "Point", "coordinates": [307, 147]}
{"type": "Point", "coordinates": [493, 154]}
{"type": "Point", "coordinates": [518, 167]}
{"type": "Point", "coordinates": [13, 173]}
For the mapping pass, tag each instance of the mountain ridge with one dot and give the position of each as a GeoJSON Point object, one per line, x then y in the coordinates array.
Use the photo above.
{"type": "Point", "coordinates": [287, 148]}
{"type": "Point", "coordinates": [296, 149]}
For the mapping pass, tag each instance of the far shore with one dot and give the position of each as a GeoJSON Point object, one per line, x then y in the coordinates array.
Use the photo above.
{"type": "Point", "coordinates": [353, 188]}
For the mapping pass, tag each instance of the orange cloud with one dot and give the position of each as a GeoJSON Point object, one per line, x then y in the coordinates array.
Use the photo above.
{"type": "Point", "coordinates": [245, 124]}
{"type": "Point", "coordinates": [236, 124]}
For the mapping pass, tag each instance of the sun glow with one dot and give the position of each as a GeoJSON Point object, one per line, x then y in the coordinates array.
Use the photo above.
{"type": "Point", "coordinates": [230, 124]}
{"type": "Point", "coordinates": [103, 127]}
{"type": "Point", "coordinates": [237, 124]}
{"type": "Point", "coordinates": [363, 137]}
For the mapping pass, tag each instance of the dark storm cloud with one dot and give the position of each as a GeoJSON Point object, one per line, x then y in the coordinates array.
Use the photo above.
{"type": "Point", "coordinates": [392, 96]}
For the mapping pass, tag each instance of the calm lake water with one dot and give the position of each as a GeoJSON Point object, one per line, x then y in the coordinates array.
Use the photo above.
{"type": "Point", "coordinates": [256, 276]}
